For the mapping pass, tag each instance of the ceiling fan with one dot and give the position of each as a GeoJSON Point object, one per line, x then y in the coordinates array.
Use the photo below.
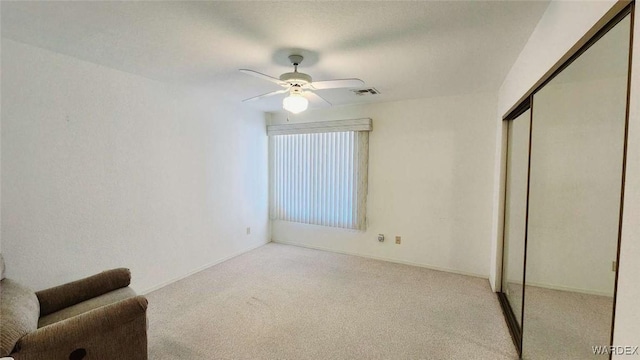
{"type": "Point", "coordinates": [300, 86]}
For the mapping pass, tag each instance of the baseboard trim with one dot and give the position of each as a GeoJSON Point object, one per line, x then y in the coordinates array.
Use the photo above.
{"type": "Point", "coordinates": [397, 261]}
{"type": "Point", "coordinates": [203, 267]}
{"type": "Point", "coordinates": [570, 289]}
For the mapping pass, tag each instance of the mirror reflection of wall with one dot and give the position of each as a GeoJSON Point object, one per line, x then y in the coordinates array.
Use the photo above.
{"type": "Point", "coordinates": [577, 144]}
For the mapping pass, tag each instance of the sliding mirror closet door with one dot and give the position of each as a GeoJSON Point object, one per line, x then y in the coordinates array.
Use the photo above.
{"type": "Point", "coordinates": [576, 164]}
{"type": "Point", "coordinates": [515, 216]}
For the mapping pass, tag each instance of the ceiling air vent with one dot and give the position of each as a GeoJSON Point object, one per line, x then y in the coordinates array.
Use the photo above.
{"type": "Point", "coordinates": [369, 91]}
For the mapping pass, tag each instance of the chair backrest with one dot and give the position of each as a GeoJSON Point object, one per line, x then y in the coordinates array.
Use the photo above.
{"type": "Point", "coordinates": [19, 310]}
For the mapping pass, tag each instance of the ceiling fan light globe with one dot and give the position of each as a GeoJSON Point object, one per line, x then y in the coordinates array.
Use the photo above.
{"type": "Point", "coordinates": [295, 103]}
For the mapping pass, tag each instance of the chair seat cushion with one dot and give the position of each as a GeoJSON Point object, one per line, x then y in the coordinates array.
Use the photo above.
{"type": "Point", "coordinates": [96, 302]}
{"type": "Point", "coordinates": [19, 311]}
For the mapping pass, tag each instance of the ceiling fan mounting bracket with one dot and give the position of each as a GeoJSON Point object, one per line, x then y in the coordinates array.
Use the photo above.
{"type": "Point", "coordinates": [296, 59]}
{"type": "Point", "coordinates": [295, 77]}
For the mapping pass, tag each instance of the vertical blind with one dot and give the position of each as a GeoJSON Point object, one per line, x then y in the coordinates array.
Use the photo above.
{"type": "Point", "coordinates": [320, 178]}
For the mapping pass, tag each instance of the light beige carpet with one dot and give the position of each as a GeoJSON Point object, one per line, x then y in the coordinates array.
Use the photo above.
{"type": "Point", "coordinates": [287, 302]}
{"type": "Point", "coordinates": [564, 324]}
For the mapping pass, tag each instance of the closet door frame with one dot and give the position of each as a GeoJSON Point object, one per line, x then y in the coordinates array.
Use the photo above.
{"type": "Point", "coordinates": [526, 103]}
{"type": "Point", "coordinates": [515, 327]}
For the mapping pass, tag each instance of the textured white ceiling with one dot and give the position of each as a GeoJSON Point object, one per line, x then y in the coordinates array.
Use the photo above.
{"type": "Point", "coordinates": [404, 49]}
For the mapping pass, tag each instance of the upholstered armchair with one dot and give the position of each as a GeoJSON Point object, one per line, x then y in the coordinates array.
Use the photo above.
{"type": "Point", "coordinates": [99, 317]}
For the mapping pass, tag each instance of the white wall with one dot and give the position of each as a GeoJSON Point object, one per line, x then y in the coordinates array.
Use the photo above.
{"type": "Point", "coordinates": [430, 182]}
{"type": "Point", "coordinates": [102, 169]}
{"type": "Point", "coordinates": [561, 27]}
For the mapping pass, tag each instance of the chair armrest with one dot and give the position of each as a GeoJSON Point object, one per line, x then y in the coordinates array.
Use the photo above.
{"type": "Point", "coordinates": [70, 332]}
{"type": "Point", "coordinates": [60, 297]}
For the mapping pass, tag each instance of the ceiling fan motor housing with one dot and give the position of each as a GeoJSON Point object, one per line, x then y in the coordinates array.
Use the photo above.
{"type": "Point", "coordinates": [296, 78]}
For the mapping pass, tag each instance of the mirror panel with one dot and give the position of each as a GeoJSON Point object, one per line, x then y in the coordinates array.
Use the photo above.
{"type": "Point", "coordinates": [577, 144]}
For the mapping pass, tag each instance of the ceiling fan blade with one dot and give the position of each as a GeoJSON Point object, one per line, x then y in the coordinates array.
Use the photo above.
{"type": "Point", "coordinates": [316, 99]}
{"type": "Point", "coordinates": [263, 76]}
{"type": "Point", "coordinates": [266, 95]}
{"type": "Point", "coordinates": [336, 84]}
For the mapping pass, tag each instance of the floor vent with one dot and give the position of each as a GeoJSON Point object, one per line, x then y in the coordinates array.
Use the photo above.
{"type": "Point", "coordinates": [369, 91]}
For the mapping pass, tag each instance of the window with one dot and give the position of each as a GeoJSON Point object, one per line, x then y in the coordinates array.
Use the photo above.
{"type": "Point", "coordinates": [319, 172]}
